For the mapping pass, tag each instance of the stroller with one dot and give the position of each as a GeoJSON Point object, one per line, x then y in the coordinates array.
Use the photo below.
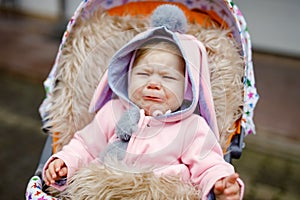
{"type": "Point", "coordinates": [95, 26]}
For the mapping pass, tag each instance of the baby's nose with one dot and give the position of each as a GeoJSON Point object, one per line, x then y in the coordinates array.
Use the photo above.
{"type": "Point", "coordinates": [154, 85]}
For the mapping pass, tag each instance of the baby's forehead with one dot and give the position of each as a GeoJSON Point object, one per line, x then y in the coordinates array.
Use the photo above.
{"type": "Point", "coordinates": [164, 52]}
{"type": "Point", "coordinates": [171, 66]}
{"type": "Point", "coordinates": [157, 54]}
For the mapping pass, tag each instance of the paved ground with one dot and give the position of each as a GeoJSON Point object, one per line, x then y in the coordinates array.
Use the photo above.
{"type": "Point", "coordinates": [270, 162]}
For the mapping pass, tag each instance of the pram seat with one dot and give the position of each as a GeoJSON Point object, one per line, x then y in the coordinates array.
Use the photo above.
{"type": "Point", "coordinates": [94, 35]}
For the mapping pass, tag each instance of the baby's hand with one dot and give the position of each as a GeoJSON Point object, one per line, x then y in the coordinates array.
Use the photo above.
{"type": "Point", "coordinates": [55, 171]}
{"type": "Point", "coordinates": [227, 188]}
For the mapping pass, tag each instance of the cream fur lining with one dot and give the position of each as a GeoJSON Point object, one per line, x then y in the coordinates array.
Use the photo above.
{"type": "Point", "coordinates": [92, 43]}
{"type": "Point", "coordinates": [98, 182]}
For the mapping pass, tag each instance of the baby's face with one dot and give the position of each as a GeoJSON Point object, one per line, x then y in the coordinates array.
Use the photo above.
{"type": "Point", "coordinates": [157, 82]}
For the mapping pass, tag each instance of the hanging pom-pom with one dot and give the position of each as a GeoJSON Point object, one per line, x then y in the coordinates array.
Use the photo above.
{"type": "Point", "coordinates": [170, 16]}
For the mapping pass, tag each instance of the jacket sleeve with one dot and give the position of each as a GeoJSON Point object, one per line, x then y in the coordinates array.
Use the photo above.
{"type": "Point", "coordinates": [86, 144]}
{"type": "Point", "coordinates": [204, 157]}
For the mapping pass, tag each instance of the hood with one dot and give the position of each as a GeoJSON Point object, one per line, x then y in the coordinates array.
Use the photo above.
{"type": "Point", "coordinates": [198, 90]}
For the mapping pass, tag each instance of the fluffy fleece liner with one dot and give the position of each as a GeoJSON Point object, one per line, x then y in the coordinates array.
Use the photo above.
{"type": "Point", "coordinates": [99, 182]}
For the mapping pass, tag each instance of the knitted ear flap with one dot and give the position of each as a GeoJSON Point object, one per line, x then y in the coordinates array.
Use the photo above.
{"type": "Point", "coordinates": [169, 16]}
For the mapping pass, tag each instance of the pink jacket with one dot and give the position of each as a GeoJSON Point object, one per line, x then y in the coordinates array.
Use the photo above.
{"type": "Point", "coordinates": [179, 143]}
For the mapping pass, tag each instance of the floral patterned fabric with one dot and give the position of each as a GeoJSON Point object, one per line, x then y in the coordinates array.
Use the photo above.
{"type": "Point", "coordinates": [34, 190]}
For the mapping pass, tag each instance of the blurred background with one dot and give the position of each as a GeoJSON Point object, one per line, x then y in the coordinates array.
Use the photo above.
{"type": "Point", "coordinates": [30, 33]}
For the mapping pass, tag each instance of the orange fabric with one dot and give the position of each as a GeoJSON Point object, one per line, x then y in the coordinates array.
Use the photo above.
{"type": "Point", "coordinates": [206, 19]}
{"type": "Point", "coordinates": [236, 125]}
{"type": "Point", "coordinates": [54, 140]}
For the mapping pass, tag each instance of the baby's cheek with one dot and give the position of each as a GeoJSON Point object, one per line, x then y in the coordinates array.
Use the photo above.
{"type": "Point", "coordinates": [132, 91]}
{"type": "Point", "coordinates": [176, 95]}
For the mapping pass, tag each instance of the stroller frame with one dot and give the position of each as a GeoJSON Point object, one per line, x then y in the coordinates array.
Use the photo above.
{"type": "Point", "coordinates": [234, 19]}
